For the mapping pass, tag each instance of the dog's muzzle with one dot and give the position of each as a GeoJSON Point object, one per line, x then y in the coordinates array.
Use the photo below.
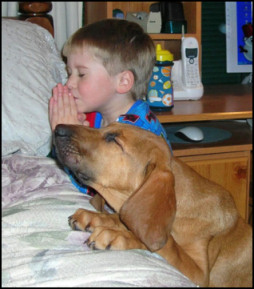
{"type": "Point", "coordinates": [63, 143]}
{"type": "Point", "coordinates": [68, 154]}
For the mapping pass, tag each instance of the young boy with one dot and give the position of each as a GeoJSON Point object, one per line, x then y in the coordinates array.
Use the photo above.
{"type": "Point", "coordinates": [109, 64]}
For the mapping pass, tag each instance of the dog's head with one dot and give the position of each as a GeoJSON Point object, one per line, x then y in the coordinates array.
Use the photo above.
{"type": "Point", "coordinates": [130, 168]}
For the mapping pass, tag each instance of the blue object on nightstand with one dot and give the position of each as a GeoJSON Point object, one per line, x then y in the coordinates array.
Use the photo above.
{"type": "Point", "coordinates": [117, 13]}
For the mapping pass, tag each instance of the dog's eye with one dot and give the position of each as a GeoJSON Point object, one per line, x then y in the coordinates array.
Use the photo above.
{"type": "Point", "coordinates": [111, 137]}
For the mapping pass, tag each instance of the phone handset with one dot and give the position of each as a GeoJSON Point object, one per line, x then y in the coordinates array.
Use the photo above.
{"type": "Point", "coordinates": [190, 65]}
{"type": "Point", "coordinates": [186, 80]}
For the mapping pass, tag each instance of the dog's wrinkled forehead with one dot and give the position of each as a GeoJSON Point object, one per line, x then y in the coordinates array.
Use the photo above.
{"type": "Point", "coordinates": [134, 134]}
{"type": "Point", "coordinates": [132, 138]}
{"type": "Point", "coordinates": [129, 132]}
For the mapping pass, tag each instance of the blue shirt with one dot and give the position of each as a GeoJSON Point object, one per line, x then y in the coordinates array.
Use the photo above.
{"type": "Point", "coordinates": [139, 115]}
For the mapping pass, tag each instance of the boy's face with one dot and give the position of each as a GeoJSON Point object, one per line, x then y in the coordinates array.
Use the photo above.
{"type": "Point", "coordinates": [89, 82]}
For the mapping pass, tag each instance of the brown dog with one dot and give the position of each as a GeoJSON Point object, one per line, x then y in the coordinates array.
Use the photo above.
{"type": "Point", "coordinates": [161, 204]}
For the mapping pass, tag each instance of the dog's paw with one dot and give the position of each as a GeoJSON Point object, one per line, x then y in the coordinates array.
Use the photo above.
{"type": "Point", "coordinates": [107, 231]}
{"type": "Point", "coordinates": [113, 239]}
{"type": "Point", "coordinates": [85, 220]}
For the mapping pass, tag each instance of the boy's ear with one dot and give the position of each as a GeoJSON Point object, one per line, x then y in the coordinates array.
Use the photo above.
{"type": "Point", "coordinates": [125, 81]}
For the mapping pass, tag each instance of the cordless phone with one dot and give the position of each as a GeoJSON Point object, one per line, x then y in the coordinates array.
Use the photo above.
{"type": "Point", "coordinates": [186, 79]}
{"type": "Point", "coordinates": [189, 52]}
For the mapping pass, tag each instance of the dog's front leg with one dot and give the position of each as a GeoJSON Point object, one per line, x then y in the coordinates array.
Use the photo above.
{"type": "Point", "coordinates": [191, 260]}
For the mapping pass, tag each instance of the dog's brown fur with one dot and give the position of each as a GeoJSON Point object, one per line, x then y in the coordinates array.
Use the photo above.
{"type": "Point", "coordinates": [161, 204]}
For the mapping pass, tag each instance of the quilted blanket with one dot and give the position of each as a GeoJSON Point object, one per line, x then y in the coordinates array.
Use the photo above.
{"type": "Point", "coordinates": [39, 249]}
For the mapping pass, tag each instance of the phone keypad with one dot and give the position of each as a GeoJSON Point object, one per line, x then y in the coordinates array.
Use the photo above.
{"type": "Point", "coordinates": [192, 72]}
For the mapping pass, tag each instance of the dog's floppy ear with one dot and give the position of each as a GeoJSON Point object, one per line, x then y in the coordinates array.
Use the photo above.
{"type": "Point", "coordinates": [150, 211]}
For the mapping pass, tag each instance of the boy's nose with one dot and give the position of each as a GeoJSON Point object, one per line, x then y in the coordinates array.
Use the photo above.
{"type": "Point", "coordinates": [70, 83]}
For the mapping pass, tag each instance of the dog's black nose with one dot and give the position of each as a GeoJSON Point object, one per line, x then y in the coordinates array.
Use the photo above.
{"type": "Point", "coordinates": [63, 130]}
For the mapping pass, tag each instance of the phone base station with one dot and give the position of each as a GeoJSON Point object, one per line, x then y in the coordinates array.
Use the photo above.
{"type": "Point", "coordinates": [188, 93]}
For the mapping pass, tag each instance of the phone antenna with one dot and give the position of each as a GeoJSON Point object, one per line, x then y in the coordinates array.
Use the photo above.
{"type": "Point", "coordinates": [182, 32]}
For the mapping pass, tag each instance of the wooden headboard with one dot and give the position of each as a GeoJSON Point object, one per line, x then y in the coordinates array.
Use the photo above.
{"type": "Point", "coordinates": [36, 12]}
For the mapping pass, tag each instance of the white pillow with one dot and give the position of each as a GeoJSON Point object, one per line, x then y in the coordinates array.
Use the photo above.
{"type": "Point", "coordinates": [31, 67]}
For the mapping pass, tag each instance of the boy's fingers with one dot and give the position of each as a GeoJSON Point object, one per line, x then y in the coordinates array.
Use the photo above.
{"type": "Point", "coordinates": [62, 107]}
{"type": "Point", "coordinates": [54, 115]}
{"type": "Point", "coordinates": [73, 106]}
{"type": "Point", "coordinates": [60, 104]}
{"type": "Point", "coordinates": [66, 102]}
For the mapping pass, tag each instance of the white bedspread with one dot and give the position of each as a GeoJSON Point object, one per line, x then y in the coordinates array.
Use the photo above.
{"type": "Point", "coordinates": [39, 248]}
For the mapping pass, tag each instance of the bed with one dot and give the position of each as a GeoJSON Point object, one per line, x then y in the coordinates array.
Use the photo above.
{"type": "Point", "coordinates": [39, 249]}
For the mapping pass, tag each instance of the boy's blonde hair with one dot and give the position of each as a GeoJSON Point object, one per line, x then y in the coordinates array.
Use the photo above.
{"type": "Point", "coordinates": [120, 45]}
